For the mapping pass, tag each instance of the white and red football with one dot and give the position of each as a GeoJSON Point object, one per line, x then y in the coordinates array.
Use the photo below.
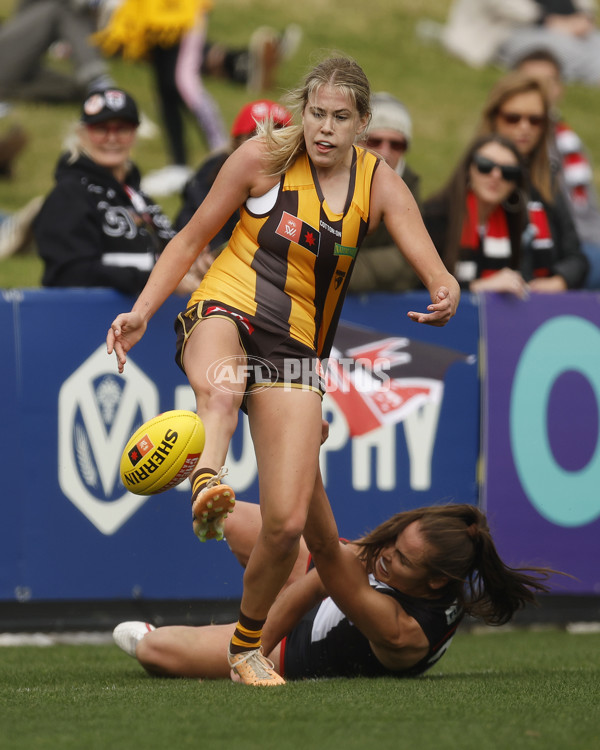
{"type": "Point", "coordinates": [162, 452]}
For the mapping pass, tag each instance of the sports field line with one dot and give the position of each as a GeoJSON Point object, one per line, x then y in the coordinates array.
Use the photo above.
{"type": "Point", "coordinates": [101, 638]}
{"type": "Point", "coordinates": [55, 639]}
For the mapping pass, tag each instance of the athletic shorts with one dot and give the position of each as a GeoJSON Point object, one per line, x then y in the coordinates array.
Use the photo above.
{"type": "Point", "coordinates": [273, 359]}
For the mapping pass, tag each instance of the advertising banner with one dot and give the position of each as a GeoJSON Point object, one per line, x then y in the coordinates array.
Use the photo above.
{"type": "Point", "coordinates": [403, 406]}
{"type": "Point", "coordinates": [540, 431]}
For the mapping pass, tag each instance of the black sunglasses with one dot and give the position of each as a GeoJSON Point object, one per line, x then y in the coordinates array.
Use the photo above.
{"type": "Point", "coordinates": [514, 118]}
{"type": "Point", "coordinates": [509, 172]}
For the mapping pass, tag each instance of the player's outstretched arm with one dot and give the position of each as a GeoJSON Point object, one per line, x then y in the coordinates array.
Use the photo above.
{"type": "Point", "coordinates": [393, 203]}
{"type": "Point", "coordinates": [395, 638]}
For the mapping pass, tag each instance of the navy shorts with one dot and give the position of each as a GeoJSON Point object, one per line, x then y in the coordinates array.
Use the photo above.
{"type": "Point", "coordinates": [273, 358]}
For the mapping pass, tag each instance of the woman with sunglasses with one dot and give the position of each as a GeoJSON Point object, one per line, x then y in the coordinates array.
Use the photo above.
{"type": "Point", "coordinates": [552, 259]}
{"type": "Point", "coordinates": [476, 220]}
{"type": "Point", "coordinates": [97, 228]}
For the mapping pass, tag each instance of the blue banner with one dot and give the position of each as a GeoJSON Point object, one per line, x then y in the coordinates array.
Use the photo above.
{"type": "Point", "coordinates": [70, 529]}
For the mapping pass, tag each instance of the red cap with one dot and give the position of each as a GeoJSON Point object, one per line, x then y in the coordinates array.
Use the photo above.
{"type": "Point", "coordinates": [263, 109]}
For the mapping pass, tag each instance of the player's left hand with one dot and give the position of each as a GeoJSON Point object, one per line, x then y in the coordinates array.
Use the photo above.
{"type": "Point", "coordinates": [439, 312]}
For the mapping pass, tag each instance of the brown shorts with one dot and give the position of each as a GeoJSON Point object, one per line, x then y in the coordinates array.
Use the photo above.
{"type": "Point", "coordinates": [272, 358]}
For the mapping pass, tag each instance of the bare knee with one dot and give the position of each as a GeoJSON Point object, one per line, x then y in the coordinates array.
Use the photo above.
{"type": "Point", "coordinates": [219, 407]}
{"type": "Point", "coordinates": [283, 536]}
{"type": "Point", "coordinates": [154, 655]}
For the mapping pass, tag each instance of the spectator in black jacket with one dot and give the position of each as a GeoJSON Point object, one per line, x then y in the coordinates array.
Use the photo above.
{"type": "Point", "coordinates": [96, 228]}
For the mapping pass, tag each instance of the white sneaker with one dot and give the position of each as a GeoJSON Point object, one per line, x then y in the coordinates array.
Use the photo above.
{"type": "Point", "coordinates": [127, 635]}
{"type": "Point", "coordinates": [166, 181]}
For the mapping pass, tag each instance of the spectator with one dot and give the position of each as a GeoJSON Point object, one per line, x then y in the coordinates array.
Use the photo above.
{"type": "Point", "coordinates": [96, 227]}
{"type": "Point", "coordinates": [174, 40]}
{"type": "Point", "coordinates": [15, 227]}
{"type": "Point", "coordinates": [476, 220]}
{"type": "Point", "coordinates": [482, 32]}
{"type": "Point", "coordinates": [379, 266]}
{"type": "Point", "coordinates": [25, 39]}
{"type": "Point", "coordinates": [518, 108]}
{"type": "Point", "coordinates": [243, 128]}
{"type": "Point", "coordinates": [570, 155]}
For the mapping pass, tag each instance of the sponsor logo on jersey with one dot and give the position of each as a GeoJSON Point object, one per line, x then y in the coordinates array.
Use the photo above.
{"type": "Point", "coordinates": [345, 250]}
{"type": "Point", "coordinates": [339, 279]}
{"type": "Point", "coordinates": [295, 230]}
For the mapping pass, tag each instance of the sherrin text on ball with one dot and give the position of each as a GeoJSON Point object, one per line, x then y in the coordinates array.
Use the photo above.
{"type": "Point", "coordinates": [162, 452]}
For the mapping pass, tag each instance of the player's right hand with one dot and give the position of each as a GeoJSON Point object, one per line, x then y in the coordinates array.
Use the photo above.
{"type": "Point", "coordinates": [125, 331]}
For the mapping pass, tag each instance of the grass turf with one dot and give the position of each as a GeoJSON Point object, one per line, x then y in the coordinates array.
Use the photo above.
{"type": "Point", "coordinates": [496, 690]}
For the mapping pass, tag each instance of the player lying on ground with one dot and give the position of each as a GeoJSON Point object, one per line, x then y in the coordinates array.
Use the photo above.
{"type": "Point", "coordinates": [396, 598]}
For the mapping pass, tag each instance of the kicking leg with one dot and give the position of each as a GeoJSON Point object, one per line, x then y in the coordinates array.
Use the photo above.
{"type": "Point", "coordinates": [213, 339]}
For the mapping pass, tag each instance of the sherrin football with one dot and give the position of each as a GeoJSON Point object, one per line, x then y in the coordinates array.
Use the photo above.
{"type": "Point", "coordinates": [162, 453]}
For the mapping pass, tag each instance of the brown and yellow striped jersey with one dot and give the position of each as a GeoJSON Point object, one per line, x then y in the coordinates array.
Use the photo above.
{"type": "Point", "coordinates": [289, 267]}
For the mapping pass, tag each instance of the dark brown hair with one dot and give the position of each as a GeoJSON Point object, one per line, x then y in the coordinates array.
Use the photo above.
{"type": "Point", "coordinates": [462, 550]}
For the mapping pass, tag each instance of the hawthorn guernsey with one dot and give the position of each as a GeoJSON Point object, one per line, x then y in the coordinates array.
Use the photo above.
{"type": "Point", "coordinates": [162, 452]}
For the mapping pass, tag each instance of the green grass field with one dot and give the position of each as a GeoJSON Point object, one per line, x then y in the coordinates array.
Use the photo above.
{"type": "Point", "coordinates": [502, 690]}
{"type": "Point", "coordinates": [443, 95]}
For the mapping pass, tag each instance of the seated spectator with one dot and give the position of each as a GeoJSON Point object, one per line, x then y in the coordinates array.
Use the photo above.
{"type": "Point", "coordinates": [26, 37]}
{"type": "Point", "coordinates": [379, 266]}
{"type": "Point", "coordinates": [96, 228]}
{"type": "Point", "coordinates": [476, 220]}
{"type": "Point", "coordinates": [243, 128]}
{"type": "Point", "coordinates": [482, 32]}
{"type": "Point", "coordinates": [518, 108]}
{"type": "Point", "coordinates": [570, 156]}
